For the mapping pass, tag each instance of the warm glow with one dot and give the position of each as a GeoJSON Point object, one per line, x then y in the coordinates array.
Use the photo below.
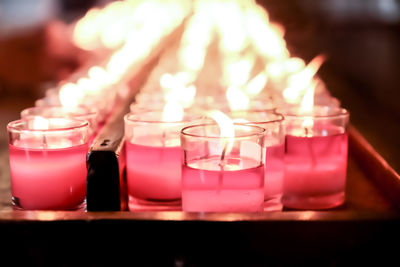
{"type": "Point", "coordinates": [99, 75]}
{"type": "Point", "coordinates": [231, 26]}
{"type": "Point", "coordinates": [175, 88]}
{"type": "Point", "coordinates": [257, 84]}
{"type": "Point", "coordinates": [172, 112]}
{"type": "Point", "coordinates": [70, 95]}
{"type": "Point", "coordinates": [307, 106]}
{"type": "Point", "coordinates": [237, 99]}
{"type": "Point", "coordinates": [40, 123]}
{"type": "Point", "coordinates": [237, 73]}
{"type": "Point", "coordinates": [299, 82]}
{"type": "Point", "coordinates": [86, 31]}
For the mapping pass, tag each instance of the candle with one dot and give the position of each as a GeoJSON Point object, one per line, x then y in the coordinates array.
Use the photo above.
{"type": "Point", "coordinates": [153, 158]}
{"type": "Point", "coordinates": [48, 163]}
{"type": "Point", "coordinates": [221, 173]}
{"type": "Point", "coordinates": [80, 112]}
{"type": "Point", "coordinates": [273, 152]}
{"type": "Point", "coordinates": [316, 158]}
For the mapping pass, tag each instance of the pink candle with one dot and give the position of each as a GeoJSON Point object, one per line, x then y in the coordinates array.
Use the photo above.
{"type": "Point", "coordinates": [48, 178]}
{"type": "Point", "coordinates": [222, 174]}
{"type": "Point", "coordinates": [316, 161]}
{"type": "Point", "coordinates": [153, 160]}
{"type": "Point", "coordinates": [154, 172]}
{"type": "Point", "coordinates": [48, 163]}
{"type": "Point", "coordinates": [316, 168]}
{"type": "Point", "coordinates": [239, 187]}
{"type": "Point", "coordinates": [273, 151]}
{"type": "Point", "coordinates": [274, 173]}
{"type": "Point", "coordinates": [79, 112]}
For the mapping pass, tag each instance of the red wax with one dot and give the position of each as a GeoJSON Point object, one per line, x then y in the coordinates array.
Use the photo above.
{"type": "Point", "coordinates": [48, 179]}
{"type": "Point", "coordinates": [274, 172]}
{"type": "Point", "coordinates": [153, 172]}
{"type": "Point", "coordinates": [315, 171]}
{"type": "Point", "coordinates": [239, 187]}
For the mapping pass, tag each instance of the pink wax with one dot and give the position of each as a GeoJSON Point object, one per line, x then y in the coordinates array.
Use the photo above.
{"type": "Point", "coordinates": [153, 172]}
{"type": "Point", "coordinates": [48, 179]}
{"type": "Point", "coordinates": [315, 171]}
{"type": "Point", "coordinates": [274, 173]}
{"type": "Point", "coordinates": [237, 188]}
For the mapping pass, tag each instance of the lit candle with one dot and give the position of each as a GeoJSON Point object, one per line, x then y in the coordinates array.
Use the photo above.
{"type": "Point", "coordinates": [316, 158]}
{"type": "Point", "coordinates": [222, 169]}
{"type": "Point", "coordinates": [48, 163]}
{"type": "Point", "coordinates": [80, 112]}
{"type": "Point", "coordinates": [153, 156]}
{"type": "Point", "coordinates": [273, 152]}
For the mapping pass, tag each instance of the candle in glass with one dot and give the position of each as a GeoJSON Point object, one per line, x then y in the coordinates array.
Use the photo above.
{"type": "Point", "coordinates": [315, 158]}
{"type": "Point", "coordinates": [273, 152]}
{"type": "Point", "coordinates": [80, 112]}
{"type": "Point", "coordinates": [220, 173]}
{"type": "Point", "coordinates": [153, 158]}
{"type": "Point", "coordinates": [48, 163]}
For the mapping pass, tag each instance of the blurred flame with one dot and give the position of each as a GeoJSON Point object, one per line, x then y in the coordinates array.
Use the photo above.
{"type": "Point", "coordinates": [299, 82]}
{"type": "Point", "coordinates": [307, 105]}
{"type": "Point", "coordinates": [172, 112]}
{"type": "Point", "coordinates": [70, 95]}
{"type": "Point", "coordinates": [176, 89]}
{"type": "Point", "coordinates": [237, 99]}
{"type": "Point", "coordinates": [257, 84]}
{"type": "Point", "coordinates": [40, 123]}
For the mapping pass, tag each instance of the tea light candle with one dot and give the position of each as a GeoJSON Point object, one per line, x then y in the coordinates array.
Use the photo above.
{"type": "Point", "coordinates": [48, 163]}
{"type": "Point", "coordinates": [80, 112]}
{"type": "Point", "coordinates": [273, 152]}
{"type": "Point", "coordinates": [316, 158]}
{"type": "Point", "coordinates": [153, 158]}
{"type": "Point", "coordinates": [220, 173]}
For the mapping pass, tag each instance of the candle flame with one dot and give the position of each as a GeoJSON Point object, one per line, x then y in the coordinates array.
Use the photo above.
{"type": "Point", "coordinates": [225, 124]}
{"type": "Point", "coordinates": [237, 99]}
{"type": "Point", "coordinates": [257, 84]}
{"type": "Point", "coordinates": [301, 81]}
{"type": "Point", "coordinates": [307, 105]}
{"type": "Point", "coordinates": [172, 111]}
{"type": "Point", "coordinates": [70, 95]}
{"type": "Point", "coordinates": [40, 123]}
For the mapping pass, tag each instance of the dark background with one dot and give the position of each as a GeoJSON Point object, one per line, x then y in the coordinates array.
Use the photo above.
{"type": "Point", "coordinates": [360, 37]}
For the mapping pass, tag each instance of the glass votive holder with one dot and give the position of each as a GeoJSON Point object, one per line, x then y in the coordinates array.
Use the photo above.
{"type": "Point", "coordinates": [274, 150]}
{"type": "Point", "coordinates": [222, 174]}
{"type": "Point", "coordinates": [153, 160]}
{"type": "Point", "coordinates": [315, 158]}
{"type": "Point", "coordinates": [48, 163]}
{"type": "Point", "coordinates": [80, 112]}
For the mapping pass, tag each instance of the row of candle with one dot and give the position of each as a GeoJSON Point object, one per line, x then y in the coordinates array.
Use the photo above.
{"type": "Point", "coordinates": [262, 158]}
{"type": "Point", "coordinates": [268, 160]}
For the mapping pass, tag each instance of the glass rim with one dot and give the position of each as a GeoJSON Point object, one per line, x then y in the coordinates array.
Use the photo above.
{"type": "Point", "coordinates": [184, 133]}
{"type": "Point", "coordinates": [270, 111]}
{"type": "Point", "coordinates": [339, 112]}
{"type": "Point", "coordinates": [13, 126]}
{"type": "Point", "coordinates": [129, 120]}
{"type": "Point", "coordinates": [86, 111]}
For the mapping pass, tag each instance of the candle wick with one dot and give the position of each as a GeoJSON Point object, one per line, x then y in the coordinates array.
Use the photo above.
{"type": "Point", "coordinates": [45, 145]}
{"type": "Point", "coordinates": [163, 138]}
{"type": "Point", "coordinates": [221, 173]}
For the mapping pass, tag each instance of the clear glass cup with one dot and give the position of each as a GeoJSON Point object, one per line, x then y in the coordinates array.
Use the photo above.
{"type": "Point", "coordinates": [80, 112]}
{"type": "Point", "coordinates": [315, 158]}
{"type": "Point", "coordinates": [222, 174]}
{"type": "Point", "coordinates": [48, 163]}
{"type": "Point", "coordinates": [274, 150]}
{"type": "Point", "coordinates": [153, 159]}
